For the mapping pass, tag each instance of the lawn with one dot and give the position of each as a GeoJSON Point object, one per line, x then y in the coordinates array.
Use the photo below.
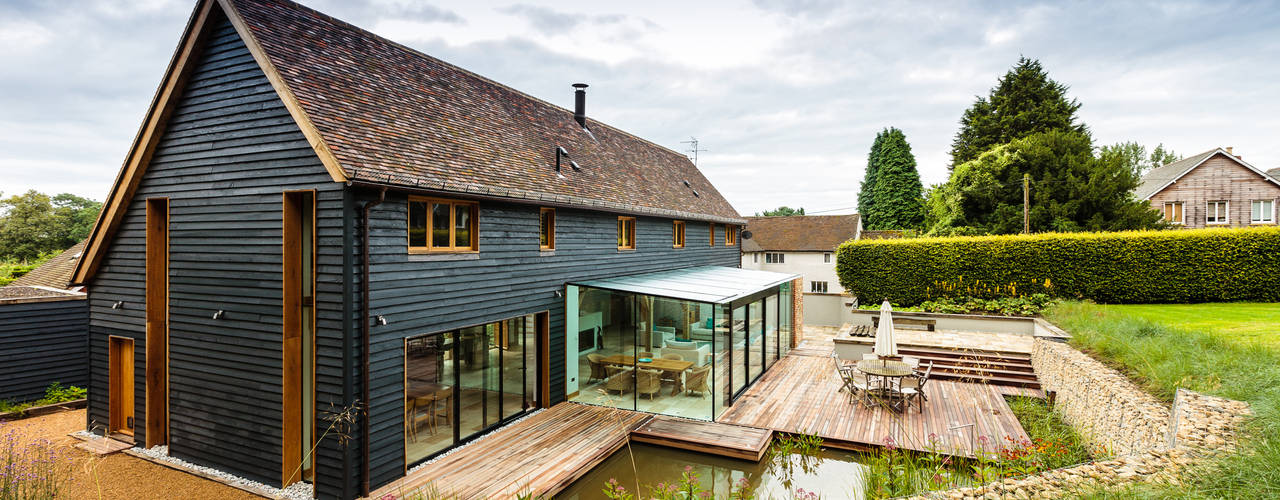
{"type": "Point", "coordinates": [1216, 351]}
{"type": "Point", "coordinates": [1245, 322]}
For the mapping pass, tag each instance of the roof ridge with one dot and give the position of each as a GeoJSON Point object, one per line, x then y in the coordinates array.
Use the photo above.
{"type": "Point", "coordinates": [416, 52]}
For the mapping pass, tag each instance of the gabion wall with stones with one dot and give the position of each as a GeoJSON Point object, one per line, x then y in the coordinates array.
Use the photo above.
{"type": "Point", "coordinates": [1197, 428]}
{"type": "Point", "coordinates": [1100, 403]}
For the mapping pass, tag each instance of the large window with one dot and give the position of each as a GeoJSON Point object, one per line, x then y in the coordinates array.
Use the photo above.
{"type": "Point", "coordinates": [442, 225]}
{"type": "Point", "coordinates": [462, 382]}
{"type": "Point", "coordinates": [547, 229]}
{"type": "Point", "coordinates": [1216, 212]}
{"type": "Point", "coordinates": [626, 233]}
{"type": "Point", "coordinates": [1262, 212]}
{"type": "Point", "coordinates": [677, 234]}
{"type": "Point", "coordinates": [1173, 213]}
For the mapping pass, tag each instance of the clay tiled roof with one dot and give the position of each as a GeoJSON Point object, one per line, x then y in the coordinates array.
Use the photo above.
{"type": "Point", "coordinates": [55, 272]}
{"type": "Point", "coordinates": [801, 233]}
{"type": "Point", "coordinates": [1159, 177]}
{"type": "Point", "coordinates": [393, 115]}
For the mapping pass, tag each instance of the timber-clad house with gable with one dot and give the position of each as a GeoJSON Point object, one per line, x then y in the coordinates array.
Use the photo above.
{"type": "Point", "coordinates": [313, 218]}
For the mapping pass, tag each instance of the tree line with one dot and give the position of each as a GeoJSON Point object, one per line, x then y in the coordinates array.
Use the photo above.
{"type": "Point", "coordinates": [1027, 126]}
{"type": "Point", "coordinates": [35, 225]}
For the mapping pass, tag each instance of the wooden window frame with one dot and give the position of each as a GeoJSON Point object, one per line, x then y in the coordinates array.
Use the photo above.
{"type": "Point", "coordinates": [677, 234]}
{"type": "Point", "coordinates": [453, 213]}
{"type": "Point", "coordinates": [730, 235]}
{"type": "Point", "coordinates": [1270, 214]}
{"type": "Point", "coordinates": [1182, 211]}
{"type": "Point", "coordinates": [629, 230]}
{"type": "Point", "coordinates": [551, 236]}
{"type": "Point", "coordinates": [1226, 212]}
{"type": "Point", "coordinates": [711, 230]}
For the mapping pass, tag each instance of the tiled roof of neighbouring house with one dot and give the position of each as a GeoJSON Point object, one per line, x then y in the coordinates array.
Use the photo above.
{"type": "Point", "coordinates": [800, 233]}
{"type": "Point", "coordinates": [396, 116]}
{"type": "Point", "coordinates": [1159, 177]}
{"type": "Point", "coordinates": [55, 272]}
{"type": "Point", "coordinates": [1274, 173]}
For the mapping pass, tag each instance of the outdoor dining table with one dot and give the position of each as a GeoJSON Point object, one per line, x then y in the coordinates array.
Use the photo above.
{"type": "Point", "coordinates": [890, 374]}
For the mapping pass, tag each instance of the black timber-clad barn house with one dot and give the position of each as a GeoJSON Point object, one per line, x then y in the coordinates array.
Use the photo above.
{"type": "Point", "coordinates": [314, 218]}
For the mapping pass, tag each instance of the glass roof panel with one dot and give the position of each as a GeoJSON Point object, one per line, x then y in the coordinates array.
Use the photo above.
{"type": "Point", "coordinates": [713, 284]}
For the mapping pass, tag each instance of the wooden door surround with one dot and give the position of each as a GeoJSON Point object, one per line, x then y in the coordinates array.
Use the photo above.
{"type": "Point", "coordinates": [157, 328]}
{"type": "Point", "coordinates": [298, 288]}
{"type": "Point", "coordinates": [119, 385]}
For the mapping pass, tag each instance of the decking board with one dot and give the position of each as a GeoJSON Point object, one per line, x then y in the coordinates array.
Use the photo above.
{"type": "Point", "coordinates": [801, 395]}
{"type": "Point", "coordinates": [542, 454]}
{"type": "Point", "coordinates": [747, 443]}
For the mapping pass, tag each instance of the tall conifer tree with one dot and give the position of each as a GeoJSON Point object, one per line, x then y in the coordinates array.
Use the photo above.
{"type": "Point", "coordinates": [892, 196]}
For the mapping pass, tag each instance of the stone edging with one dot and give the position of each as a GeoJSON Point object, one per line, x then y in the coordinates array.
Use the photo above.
{"type": "Point", "coordinates": [1151, 442]}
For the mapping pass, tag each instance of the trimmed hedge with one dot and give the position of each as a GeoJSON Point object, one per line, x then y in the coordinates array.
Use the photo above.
{"type": "Point", "coordinates": [1201, 265]}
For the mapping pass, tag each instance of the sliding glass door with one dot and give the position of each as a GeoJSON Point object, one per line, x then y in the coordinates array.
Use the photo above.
{"type": "Point", "coordinates": [462, 382]}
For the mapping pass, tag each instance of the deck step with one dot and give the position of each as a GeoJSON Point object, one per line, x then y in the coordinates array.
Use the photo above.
{"type": "Point", "coordinates": [727, 440]}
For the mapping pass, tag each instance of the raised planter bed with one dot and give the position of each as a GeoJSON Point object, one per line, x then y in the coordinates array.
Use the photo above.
{"type": "Point", "coordinates": [36, 411]}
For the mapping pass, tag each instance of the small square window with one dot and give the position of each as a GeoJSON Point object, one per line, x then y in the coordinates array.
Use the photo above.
{"type": "Point", "coordinates": [826, 258]}
{"type": "Point", "coordinates": [1217, 212]}
{"type": "Point", "coordinates": [677, 234]}
{"type": "Point", "coordinates": [774, 258]}
{"type": "Point", "coordinates": [626, 233]}
{"type": "Point", "coordinates": [1174, 214]}
{"type": "Point", "coordinates": [711, 229]}
{"type": "Point", "coordinates": [1262, 212]}
{"type": "Point", "coordinates": [730, 235]}
{"type": "Point", "coordinates": [818, 287]}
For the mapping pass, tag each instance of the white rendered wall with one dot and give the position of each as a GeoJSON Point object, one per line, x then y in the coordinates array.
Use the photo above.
{"type": "Point", "coordinates": [810, 265]}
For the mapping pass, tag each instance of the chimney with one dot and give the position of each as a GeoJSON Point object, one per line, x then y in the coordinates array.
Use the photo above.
{"type": "Point", "coordinates": [580, 103]}
{"type": "Point", "coordinates": [1228, 148]}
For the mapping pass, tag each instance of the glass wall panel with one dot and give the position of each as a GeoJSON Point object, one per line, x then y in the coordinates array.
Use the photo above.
{"type": "Point", "coordinates": [755, 341]}
{"type": "Point", "coordinates": [720, 359]}
{"type": "Point", "coordinates": [738, 351]}
{"type": "Point", "coordinates": [771, 330]}
{"type": "Point", "coordinates": [529, 339]}
{"type": "Point", "coordinates": [785, 324]}
{"type": "Point", "coordinates": [606, 339]}
{"type": "Point", "coordinates": [680, 376]}
{"type": "Point", "coordinates": [462, 382]}
{"type": "Point", "coordinates": [429, 392]}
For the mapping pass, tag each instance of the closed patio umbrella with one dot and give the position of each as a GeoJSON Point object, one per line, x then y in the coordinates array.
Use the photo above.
{"type": "Point", "coordinates": [885, 345]}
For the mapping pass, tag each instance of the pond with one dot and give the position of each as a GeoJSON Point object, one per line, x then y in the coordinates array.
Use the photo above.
{"type": "Point", "coordinates": [829, 473]}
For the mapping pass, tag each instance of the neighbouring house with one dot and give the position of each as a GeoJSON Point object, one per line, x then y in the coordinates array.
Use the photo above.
{"type": "Point", "coordinates": [314, 219]}
{"type": "Point", "coordinates": [804, 245]}
{"type": "Point", "coordinates": [44, 324]}
{"type": "Point", "coordinates": [1216, 188]}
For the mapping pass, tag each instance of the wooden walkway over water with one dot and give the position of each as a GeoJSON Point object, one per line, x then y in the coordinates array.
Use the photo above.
{"type": "Point", "coordinates": [746, 443]}
{"type": "Point", "coordinates": [542, 454]}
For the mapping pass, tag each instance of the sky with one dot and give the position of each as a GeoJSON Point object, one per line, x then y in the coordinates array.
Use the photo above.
{"type": "Point", "coordinates": [784, 97]}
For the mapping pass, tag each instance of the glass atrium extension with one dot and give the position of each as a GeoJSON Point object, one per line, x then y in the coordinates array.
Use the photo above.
{"type": "Point", "coordinates": [685, 342]}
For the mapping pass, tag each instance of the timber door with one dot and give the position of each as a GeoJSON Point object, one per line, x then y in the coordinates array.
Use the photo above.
{"type": "Point", "coordinates": [120, 385]}
{"type": "Point", "coordinates": [157, 341]}
{"type": "Point", "coordinates": [298, 343]}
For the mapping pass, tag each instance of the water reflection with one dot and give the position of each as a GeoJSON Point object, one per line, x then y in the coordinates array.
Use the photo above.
{"type": "Point", "coordinates": [831, 473]}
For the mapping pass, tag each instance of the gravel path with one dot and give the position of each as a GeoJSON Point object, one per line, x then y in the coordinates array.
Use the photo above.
{"type": "Point", "coordinates": [119, 476]}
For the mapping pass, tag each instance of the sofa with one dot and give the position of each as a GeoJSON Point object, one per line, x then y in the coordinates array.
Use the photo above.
{"type": "Point", "coordinates": [688, 350]}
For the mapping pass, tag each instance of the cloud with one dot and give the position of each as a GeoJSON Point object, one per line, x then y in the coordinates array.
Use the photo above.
{"type": "Point", "coordinates": [786, 96]}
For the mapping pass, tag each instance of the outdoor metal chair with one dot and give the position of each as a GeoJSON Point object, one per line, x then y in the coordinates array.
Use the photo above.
{"type": "Point", "coordinates": [913, 388]}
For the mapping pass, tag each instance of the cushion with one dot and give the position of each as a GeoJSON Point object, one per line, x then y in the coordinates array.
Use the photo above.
{"type": "Point", "coordinates": [676, 344]}
{"type": "Point", "coordinates": [708, 324]}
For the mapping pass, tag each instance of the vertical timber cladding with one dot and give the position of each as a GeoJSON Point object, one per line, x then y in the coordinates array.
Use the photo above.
{"type": "Point", "coordinates": [509, 276]}
{"type": "Point", "coordinates": [228, 150]}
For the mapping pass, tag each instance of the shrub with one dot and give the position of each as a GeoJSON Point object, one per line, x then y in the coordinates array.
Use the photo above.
{"type": "Point", "coordinates": [1202, 265]}
{"type": "Point", "coordinates": [1029, 305]}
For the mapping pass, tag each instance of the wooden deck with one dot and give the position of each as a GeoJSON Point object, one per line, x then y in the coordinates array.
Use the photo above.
{"type": "Point", "coordinates": [801, 395]}
{"type": "Point", "coordinates": [542, 454]}
{"type": "Point", "coordinates": [746, 443]}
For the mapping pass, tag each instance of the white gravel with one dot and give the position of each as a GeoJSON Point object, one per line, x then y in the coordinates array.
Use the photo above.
{"type": "Point", "coordinates": [296, 491]}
